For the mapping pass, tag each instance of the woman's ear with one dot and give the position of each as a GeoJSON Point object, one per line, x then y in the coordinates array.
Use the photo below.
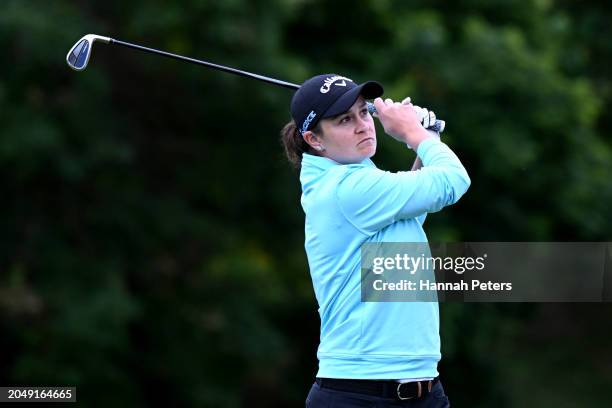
{"type": "Point", "coordinates": [313, 140]}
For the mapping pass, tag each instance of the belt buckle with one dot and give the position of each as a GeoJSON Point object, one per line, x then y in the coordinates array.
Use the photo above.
{"type": "Point", "coordinates": [399, 391]}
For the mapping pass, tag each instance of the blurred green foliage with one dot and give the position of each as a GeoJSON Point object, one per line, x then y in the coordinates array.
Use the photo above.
{"type": "Point", "coordinates": [151, 247]}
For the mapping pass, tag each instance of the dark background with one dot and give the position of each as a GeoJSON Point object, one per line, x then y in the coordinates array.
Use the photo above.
{"type": "Point", "coordinates": [151, 236]}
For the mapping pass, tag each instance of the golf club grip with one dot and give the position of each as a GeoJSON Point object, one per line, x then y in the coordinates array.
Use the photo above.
{"type": "Point", "coordinates": [438, 126]}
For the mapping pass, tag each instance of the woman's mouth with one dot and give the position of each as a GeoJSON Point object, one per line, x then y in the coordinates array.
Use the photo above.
{"type": "Point", "coordinates": [367, 140]}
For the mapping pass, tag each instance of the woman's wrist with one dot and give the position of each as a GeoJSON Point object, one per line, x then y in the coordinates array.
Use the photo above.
{"type": "Point", "coordinates": [416, 136]}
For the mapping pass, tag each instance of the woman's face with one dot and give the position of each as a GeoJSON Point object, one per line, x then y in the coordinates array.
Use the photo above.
{"type": "Point", "coordinates": [349, 137]}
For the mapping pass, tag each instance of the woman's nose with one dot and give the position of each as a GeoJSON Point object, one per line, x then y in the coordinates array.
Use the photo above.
{"type": "Point", "coordinates": [362, 124]}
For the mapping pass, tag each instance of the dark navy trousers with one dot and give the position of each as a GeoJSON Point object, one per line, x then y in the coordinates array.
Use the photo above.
{"type": "Point", "coordinates": [327, 398]}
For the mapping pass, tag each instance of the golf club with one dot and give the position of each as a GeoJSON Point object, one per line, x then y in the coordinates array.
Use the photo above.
{"type": "Point", "coordinates": [78, 57]}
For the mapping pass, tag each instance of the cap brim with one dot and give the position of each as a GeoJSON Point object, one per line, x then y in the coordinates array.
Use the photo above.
{"type": "Point", "coordinates": [369, 90]}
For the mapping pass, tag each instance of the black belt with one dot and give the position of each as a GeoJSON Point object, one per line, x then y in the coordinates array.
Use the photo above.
{"type": "Point", "coordinates": [380, 388]}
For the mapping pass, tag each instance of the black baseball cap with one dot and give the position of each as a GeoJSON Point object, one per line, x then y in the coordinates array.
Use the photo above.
{"type": "Point", "coordinates": [327, 95]}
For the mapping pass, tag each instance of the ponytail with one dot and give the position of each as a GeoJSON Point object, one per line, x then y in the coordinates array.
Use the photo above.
{"type": "Point", "coordinates": [295, 145]}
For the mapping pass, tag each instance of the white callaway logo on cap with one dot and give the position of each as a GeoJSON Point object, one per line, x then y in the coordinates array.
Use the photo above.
{"type": "Point", "coordinates": [330, 81]}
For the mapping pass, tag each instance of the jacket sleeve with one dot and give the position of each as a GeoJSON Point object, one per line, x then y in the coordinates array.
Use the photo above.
{"type": "Point", "coordinates": [371, 199]}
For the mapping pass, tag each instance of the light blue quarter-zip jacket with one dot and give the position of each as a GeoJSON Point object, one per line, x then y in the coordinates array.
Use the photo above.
{"type": "Point", "coordinates": [347, 206]}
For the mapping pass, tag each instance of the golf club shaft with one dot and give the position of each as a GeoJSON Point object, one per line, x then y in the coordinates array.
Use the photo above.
{"type": "Point", "coordinates": [438, 126]}
{"type": "Point", "coordinates": [206, 64]}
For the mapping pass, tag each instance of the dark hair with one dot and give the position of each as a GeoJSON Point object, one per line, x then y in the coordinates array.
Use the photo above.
{"type": "Point", "coordinates": [295, 145]}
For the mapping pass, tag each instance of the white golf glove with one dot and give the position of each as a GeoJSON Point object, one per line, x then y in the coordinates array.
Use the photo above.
{"type": "Point", "coordinates": [426, 117]}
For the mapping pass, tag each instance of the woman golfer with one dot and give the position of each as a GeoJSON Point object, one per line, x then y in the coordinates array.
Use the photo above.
{"type": "Point", "coordinates": [371, 354]}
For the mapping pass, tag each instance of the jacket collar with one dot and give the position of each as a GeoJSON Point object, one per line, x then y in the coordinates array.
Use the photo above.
{"type": "Point", "coordinates": [314, 166]}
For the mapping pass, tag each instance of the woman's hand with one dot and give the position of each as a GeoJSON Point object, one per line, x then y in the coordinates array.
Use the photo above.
{"type": "Point", "coordinates": [400, 121]}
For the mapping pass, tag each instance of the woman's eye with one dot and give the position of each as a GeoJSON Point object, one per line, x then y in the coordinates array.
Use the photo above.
{"type": "Point", "coordinates": [345, 119]}
{"type": "Point", "coordinates": [364, 111]}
